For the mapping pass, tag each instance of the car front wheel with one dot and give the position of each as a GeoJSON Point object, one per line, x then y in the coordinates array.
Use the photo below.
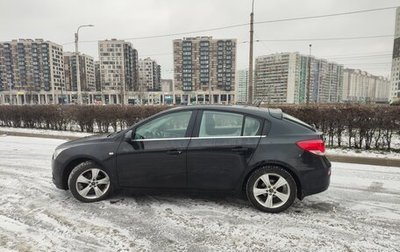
{"type": "Point", "coordinates": [271, 189]}
{"type": "Point", "coordinates": [89, 182]}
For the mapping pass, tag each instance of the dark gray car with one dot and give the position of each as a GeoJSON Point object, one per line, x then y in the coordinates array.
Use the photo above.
{"type": "Point", "coordinates": [267, 154]}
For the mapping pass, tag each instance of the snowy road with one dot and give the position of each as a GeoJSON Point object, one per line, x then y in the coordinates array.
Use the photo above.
{"type": "Point", "coordinates": [360, 211]}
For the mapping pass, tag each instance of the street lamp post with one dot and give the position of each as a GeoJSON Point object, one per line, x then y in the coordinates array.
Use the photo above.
{"type": "Point", "coordinates": [250, 89]}
{"type": "Point", "coordinates": [78, 77]}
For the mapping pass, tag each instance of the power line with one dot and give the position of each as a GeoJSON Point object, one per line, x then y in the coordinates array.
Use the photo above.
{"type": "Point", "coordinates": [323, 39]}
{"type": "Point", "coordinates": [362, 56]}
{"type": "Point", "coordinates": [326, 15]}
{"type": "Point", "coordinates": [356, 54]}
{"type": "Point", "coordinates": [246, 24]}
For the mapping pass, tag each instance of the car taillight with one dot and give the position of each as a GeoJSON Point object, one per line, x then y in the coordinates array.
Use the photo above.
{"type": "Point", "coordinates": [316, 146]}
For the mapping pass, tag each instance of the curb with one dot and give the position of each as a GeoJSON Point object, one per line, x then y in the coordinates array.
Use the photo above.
{"type": "Point", "coordinates": [365, 160]}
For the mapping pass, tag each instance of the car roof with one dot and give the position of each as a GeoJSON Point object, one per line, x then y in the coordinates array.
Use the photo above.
{"type": "Point", "coordinates": [251, 110]}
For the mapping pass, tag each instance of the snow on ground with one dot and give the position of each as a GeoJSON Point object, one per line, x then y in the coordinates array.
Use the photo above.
{"type": "Point", "coordinates": [359, 212]}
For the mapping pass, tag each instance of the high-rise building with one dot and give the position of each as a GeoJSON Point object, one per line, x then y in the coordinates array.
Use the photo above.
{"type": "Point", "coordinates": [242, 82]}
{"type": "Point", "coordinates": [395, 76]}
{"type": "Point", "coordinates": [149, 75]}
{"type": "Point", "coordinates": [86, 72]}
{"type": "Point", "coordinates": [166, 85]}
{"type": "Point", "coordinates": [283, 78]}
{"type": "Point", "coordinates": [360, 86]}
{"type": "Point", "coordinates": [204, 62]}
{"type": "Point", "coordinates": [97, 75]}
{"type": "Point", "coordinates": [31, 65]}
{"type": "Point", "coordinates": [118, 66]}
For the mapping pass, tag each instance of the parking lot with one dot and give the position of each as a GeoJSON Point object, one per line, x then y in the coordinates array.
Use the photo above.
{"type": "Point", "coordinates": [360, 211]}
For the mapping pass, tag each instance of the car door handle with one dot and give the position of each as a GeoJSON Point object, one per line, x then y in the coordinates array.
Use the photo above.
{"type": "Point", "coordinates": [174, 152]}
{"type": "Point", "coordinates": [240, 149]}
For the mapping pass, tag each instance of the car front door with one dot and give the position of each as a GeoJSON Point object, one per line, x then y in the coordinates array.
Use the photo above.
{"type": "Point", "coordinates": [221, 148]}
{"type": "Point", "coordinates": [155, 156]}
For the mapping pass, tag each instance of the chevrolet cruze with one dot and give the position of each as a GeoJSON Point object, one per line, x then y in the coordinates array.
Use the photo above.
{"type": "Point", "coordinates": [272, 157]}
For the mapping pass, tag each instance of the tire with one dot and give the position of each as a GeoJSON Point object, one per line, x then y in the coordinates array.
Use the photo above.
{"type": "Point", "coordinates": [275, 197]}
{"type": "Point", "coordinates": [84, 187]}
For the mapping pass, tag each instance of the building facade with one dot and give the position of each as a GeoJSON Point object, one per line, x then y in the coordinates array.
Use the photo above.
{"type": "Point", "coordinates": [119, 70]}
{"type": "Point", "coordinates": [242, 83]}
{"type": "Point", "coordinates": [167, 85]}
{"type": "Point", "coordinates": [86, 72]}
{"type": "Point", "coordinates": [149, 75]}
{"type": "Point", "coordinates": [97, 79]}
{"type": "Point", "coordinates": [360, 86]}
{"type": "Point", "coordinates": [283, 78]}
{"type": "Point", "coordinates": [395, 74]}
{"type": "Point", "coordinates": [204, 63]}
{"type": "Point", "coordinates": [28, 65]}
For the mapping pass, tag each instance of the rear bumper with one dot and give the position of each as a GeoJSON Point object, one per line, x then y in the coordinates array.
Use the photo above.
{"type": "Point", "coordinates": [57, 174]}
{"type": "Point", "coordinates": [316, 180]}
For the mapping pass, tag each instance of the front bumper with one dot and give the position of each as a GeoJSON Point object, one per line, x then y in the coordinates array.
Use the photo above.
{"type": "Point", "coordinates": [57, 174]}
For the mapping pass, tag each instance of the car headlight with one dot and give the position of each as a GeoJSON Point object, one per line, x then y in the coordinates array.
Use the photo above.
{"type": "Point", "coordinates": [57, 152]}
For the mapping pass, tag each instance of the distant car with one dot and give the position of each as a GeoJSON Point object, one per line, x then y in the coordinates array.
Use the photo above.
{"type": "Point", "coordinates": [269, 155]}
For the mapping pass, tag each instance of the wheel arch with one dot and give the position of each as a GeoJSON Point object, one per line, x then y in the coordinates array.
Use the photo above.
{"type": "Point", "coordinates": [286, 167]}
{"type": "Point", "coordinates": [72, 164]}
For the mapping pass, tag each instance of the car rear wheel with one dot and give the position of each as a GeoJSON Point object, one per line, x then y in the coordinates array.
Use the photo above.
{"type": "Point", "coordinates": [89, 183]}
{"type": "Point", "coordinates": [271, 189]}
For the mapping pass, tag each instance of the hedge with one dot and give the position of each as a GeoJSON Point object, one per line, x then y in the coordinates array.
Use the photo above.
{"type": "Point", "coordinates": [354, 126]}
{"type": "Point", "coordinates": [71, 117]}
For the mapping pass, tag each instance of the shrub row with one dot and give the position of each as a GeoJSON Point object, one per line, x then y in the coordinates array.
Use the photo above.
{"type": "Point", "coordinates": [74, 117]}
{"type": "Point", "coordinates": [354, 126]}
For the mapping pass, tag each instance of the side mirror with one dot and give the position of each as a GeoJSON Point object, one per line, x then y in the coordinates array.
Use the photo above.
{"type": "Point", "coordinates": [129, 136]}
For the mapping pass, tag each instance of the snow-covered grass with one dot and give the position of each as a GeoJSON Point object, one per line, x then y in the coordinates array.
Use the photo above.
{"type": "Point", "coordinates": [45, 132]}
{"type": "Point", "coordinates": [359, 212]}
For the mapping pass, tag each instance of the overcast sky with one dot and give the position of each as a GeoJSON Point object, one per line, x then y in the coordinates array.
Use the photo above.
{"type": "Point", "coordinates": [57, 21]}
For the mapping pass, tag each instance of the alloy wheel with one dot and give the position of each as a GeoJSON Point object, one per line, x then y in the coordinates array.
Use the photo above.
{"type": "Point", "coordinates": [92, 183]}
{"type": "Point", "coordinates": [271, 190]}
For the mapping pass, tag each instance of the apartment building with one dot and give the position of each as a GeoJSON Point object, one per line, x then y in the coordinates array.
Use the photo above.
{"type": "Point", "coordinates": [283, 78]}
{"type": "Point", "coordinates": [86, 72]}
{"type": "Point", "coordinates": [97, 75]}
{"type": "Point", "coordinates": [242, 83]}
{"type": "Point", "coordinates": [149, 75]}
{"type": "Point", "coordinates": [395, 74]}
{"type": "Point", "coordinates": [167, 85]}
{"type": "Point", "coordinates": [201, 63]}
{"type": "Point", "coordinates": [360, 86]}
{"type": "Point", "coordinates": [31, 65]}
{"type": "Point", "coordinates": [119, 69]}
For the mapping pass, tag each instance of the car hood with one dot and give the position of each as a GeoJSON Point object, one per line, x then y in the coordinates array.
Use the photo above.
{"type": "Point", "coordinates": [83, 140]}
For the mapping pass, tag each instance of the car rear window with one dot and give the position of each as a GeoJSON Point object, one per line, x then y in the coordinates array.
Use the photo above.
{"type": "Point", "coordinates": [298, 121]}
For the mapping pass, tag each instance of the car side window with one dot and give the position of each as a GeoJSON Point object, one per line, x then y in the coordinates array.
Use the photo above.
{"type": "Point", "coordinates": [215, 123]}
{"type": "Point", "coordinates": [251, 126]}
{"type": "Point", "coordinates": [172, 125]}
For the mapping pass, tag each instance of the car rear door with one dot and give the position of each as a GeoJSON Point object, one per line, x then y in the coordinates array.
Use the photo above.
{"type": "Point", "coordinates": [220, 149]}
{"type": "Point", "coordinates": [156, 155]}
